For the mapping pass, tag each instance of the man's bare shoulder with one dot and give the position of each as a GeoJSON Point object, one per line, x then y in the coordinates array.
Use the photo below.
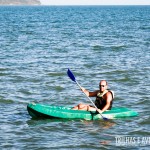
{"type": "Point", "coordinates": [109, 94]}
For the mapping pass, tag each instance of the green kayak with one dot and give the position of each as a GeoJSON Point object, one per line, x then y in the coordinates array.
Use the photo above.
{"type": "Point", "coordinates": [49, 111]}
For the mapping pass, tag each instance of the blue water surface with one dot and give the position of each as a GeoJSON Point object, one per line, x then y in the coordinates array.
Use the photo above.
{"type": "Point", "coordinates": [37, 46]}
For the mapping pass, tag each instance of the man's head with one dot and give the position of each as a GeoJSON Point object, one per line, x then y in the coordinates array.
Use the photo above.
{"type": "Point", "coordinates": [103, 85]}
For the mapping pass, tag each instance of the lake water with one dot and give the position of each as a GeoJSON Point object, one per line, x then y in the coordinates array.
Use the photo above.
{"type": "Point", "coordinates": [38, 45]}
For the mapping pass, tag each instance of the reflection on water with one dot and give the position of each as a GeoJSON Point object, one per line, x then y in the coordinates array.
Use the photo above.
{"type": "Point", "coordinates": [105, 142]}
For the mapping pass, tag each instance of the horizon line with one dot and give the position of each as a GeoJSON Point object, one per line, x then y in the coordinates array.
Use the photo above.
{"type": "Point", "coordinates": [79, 5]}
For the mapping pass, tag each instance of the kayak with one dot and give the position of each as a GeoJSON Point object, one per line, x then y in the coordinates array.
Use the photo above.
{"type": "Point", "coordinates": [49, 111]}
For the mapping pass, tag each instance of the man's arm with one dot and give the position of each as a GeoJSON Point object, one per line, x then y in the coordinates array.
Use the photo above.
{"type": "Point", "coordinates": [89, 94]}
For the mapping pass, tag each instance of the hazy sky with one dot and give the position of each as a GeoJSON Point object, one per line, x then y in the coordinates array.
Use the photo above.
{"type": "Point", "coordinates": [95, 2]}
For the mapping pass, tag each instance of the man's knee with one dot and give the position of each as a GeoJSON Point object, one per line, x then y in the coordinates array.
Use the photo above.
{"type": "Point", "coordinates": [80, 106]}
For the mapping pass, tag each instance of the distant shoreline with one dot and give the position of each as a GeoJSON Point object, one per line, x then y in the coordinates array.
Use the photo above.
{"type": "Point", "coordinates": [19, 2]}
{"type": "Point", "coordinates": [22, 5]}
{"type": "Point", "coordinates": [75, 5]}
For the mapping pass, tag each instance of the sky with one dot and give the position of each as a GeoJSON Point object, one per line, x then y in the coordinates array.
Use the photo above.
{"type": "Point", "coordinates": [95, 2]}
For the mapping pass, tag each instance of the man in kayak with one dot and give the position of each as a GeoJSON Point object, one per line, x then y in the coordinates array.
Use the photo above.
{"type": "Point", "coordinates": [104, 99]}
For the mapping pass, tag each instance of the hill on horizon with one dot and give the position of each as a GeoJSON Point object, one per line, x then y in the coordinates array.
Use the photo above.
{"type": "Point", "coordinates": [20, 2]}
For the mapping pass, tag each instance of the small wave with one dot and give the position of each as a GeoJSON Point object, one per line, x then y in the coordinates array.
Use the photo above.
{"type": "Point", "coordinates": [58, 88]}
{"type": "Point", "coordinates": [3, 69]}
{"type": "Point", "coordinates": [141, 102]}
{"type": "Point", "coordinates": [112, 47]}
{"type": "Point", "coordinates": [53, 74]}
{"type": "Point", "coordinates": [25, 91]}
{"type": "Point", "coordinates": [117, 47]}
{"type": "Point", "coordinates": [145, 121]}
{"type": "Point", "coordinates": [98, 47]}
{"type": "Point", "coordinates": [4, 74]}
{"type": "Point", "coordinates": [6, 101]}
{"type": "Point", "coordinates": [145, 28]}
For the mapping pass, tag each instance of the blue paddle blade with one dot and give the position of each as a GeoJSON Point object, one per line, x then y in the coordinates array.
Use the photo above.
{"type": "Point", "coordinates": [105, 118]}
{"type": "Point", "coordinates": [71, 76]}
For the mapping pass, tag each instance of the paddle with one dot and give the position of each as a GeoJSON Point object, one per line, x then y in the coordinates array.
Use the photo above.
{"type": "Point", "coordinates": [72, 77]}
